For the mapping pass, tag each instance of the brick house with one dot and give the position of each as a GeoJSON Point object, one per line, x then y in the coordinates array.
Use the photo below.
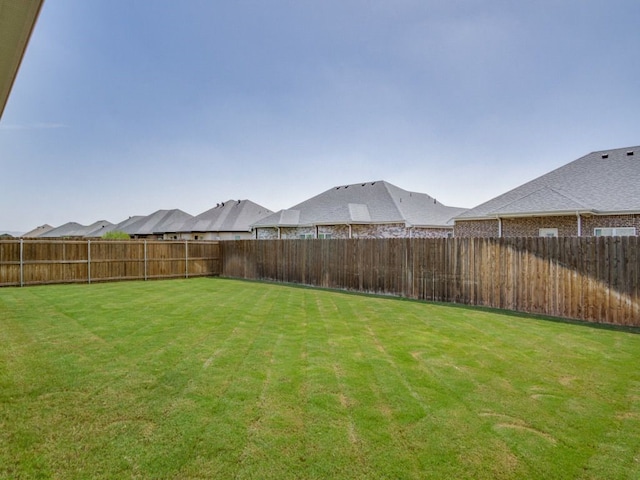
{"type": "Point", "coordinates": [361, 210]}
{"type": "Point", "coordinates": [230, 220]}
{"type": "Point", "coordinates": [595, 195]}
{"type": "Point", "coordinates": [155, 225]}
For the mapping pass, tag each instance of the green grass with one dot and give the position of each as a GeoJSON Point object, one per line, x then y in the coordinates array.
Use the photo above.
{"type": "Point", "coordinates": [214, 378]}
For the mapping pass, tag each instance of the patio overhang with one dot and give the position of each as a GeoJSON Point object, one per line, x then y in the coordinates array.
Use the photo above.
{"type": "Point", "coordinates": [17, 20]}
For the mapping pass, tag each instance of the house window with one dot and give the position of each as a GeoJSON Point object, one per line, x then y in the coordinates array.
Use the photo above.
{"type": "Point", "coordinates": [548, 232]}
{"type": "Point", "coordinates": [237, 237]}
{"type": "Point", "coordinates": [614, 232]}
{"type": "Point", "coordinates": [325, 235]}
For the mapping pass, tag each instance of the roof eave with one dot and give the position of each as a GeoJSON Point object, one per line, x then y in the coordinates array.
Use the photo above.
{"type": "Point", "coordinates": [430, 226]}
{"type": "Point", "coordinates": [617, 212]}
{"type": "Point", "coordinates": [19, 21]}
{"type": "Point", "coordinates": [282, 225]}
{"type": "Point", "coordinates": [557, 213]}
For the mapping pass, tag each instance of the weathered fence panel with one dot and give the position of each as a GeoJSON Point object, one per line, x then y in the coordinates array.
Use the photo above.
{"type": "Point", "coordinates": [34, 262]}
{"type": "Point", "coordinates": [594, 279]}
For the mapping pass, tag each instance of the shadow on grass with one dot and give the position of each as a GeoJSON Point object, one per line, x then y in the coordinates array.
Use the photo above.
{"type": "Point", "coordinates": [470, 308]}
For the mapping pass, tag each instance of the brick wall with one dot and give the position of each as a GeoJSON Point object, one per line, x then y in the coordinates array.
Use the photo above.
{"type": "Point", "coordinates": [336, 231]}
{"type": "Point", "coordinates": [396, 230]}
{"type": "Point", "coordinates": [599, 221]}
{"type": "Point", "coordinates": [476, 228]}
{"type": "Point", "coordinates": [292, 233]}
{"type": "Point", "coordinates": [267, 234]}
{"type": "Point", "coordinates": [431, 232]}
{"type": "Point", "coordinates": [530, 226]}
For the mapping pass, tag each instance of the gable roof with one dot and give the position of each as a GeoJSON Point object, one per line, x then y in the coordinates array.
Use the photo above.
{"type": "Point", "coordinates": [365, 203]}
{"type": "Point", "coordinates": [229, 216]}
{"type": "Point", "coordinates": [601, 182]}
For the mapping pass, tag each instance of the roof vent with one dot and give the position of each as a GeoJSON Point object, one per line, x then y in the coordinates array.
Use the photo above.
{"type": "Point", "coordinates": [605, 155]}
{"type": "Point", "coordinates": [629, 153]}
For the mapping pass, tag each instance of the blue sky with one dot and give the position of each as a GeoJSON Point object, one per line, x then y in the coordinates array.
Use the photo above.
{"type": "Point", "coordinates": [123, 107]}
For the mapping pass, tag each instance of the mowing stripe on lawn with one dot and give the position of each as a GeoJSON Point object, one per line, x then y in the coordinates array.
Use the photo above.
{"type": "Point", "coordinates": [216, 378]}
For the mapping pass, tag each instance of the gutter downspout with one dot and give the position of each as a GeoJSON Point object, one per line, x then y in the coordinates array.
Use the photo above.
{"type": "Point", "coordinates": [349, 225]}
{"type": "Point", "coordinates": [579, 224]}
{"type": "Point", "coordinates": [499, 227]}
{"type": "Point", "coordinates": [279, 235]}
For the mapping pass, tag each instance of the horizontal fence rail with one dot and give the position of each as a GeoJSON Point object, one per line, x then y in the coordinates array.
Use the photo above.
{"type": "Point", "coordinates": [593, 279]}
{"type": "Point", "coordinates": [35, 262]}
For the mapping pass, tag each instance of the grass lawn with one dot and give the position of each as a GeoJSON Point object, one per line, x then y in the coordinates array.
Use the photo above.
{"type": "Point", "coordinates": [215, 378]}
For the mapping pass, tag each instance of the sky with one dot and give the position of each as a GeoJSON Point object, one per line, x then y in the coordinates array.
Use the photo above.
{"type": "Point", "coordinates": [124, 107]}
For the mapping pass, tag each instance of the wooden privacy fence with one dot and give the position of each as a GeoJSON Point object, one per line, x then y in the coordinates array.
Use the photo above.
{"type": "Point", "coordinates": [593, 278]}
{"type": "Point", "coordinates": [32, 262]}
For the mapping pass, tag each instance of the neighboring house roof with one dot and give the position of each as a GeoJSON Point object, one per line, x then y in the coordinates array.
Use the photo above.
{"type": "Point", "coordinates": [36, 232]}
{"type": "Point", "coordinates": [73, 229]}
{"type": "Point", "coordinates": [121, 227]}
{"type": "Point", "coordinates": [365, 203]}
{"type": "Point", "coordinates": [17, 20]}
{"type": "Point", "coordinates": [229, 216]}
{"type": "Point", "coordinates": [160, 221]}
{"type": "Point", "coordinates": [601, 182]}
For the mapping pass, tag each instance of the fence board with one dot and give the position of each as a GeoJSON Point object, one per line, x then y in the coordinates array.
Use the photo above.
{"type": "Point", "coordinates": [594, 279]}
{"type": "Point", "coordinates": [33, 262]}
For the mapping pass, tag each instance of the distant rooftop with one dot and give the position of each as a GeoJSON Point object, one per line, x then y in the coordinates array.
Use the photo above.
{"type": "Point", "coordinates": [368, 202]}
{"type": "Point", "coordinates": [601, 182]}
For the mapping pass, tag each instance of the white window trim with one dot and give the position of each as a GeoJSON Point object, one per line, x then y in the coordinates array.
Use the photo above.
{"type": "Point", "coordinates": [614, 231]}
{"type": "Point", "coordinates": [548, 232]}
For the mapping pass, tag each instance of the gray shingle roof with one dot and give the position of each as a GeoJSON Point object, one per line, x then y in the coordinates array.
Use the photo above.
{"type": "Point", "coordinates": [160, 221]}
{"type": "Point", "coordinates": [36, 232]}
{"type": "Point", "coordinates": [73, 229]}
{"type": "Point", "coordinates": [606, 181]}
{"type": "Point", "coordinates": [122, 226]}
{"type": "Point", "coordinates": [370, 202]}
{"type": "Point", "coordinates": [229, 216]}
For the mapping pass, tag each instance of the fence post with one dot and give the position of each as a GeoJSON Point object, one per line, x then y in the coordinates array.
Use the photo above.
{"type": "Point", "coordinates": [145, 259]}
{"type": "Point", "coordinates": [22, 262]}
{"type": "Point", "coordinates": [89, 261]}
{"type": "Point", "coordinates": [186, 259]}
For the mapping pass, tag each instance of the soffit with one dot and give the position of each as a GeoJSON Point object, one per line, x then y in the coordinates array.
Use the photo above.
{"type": "Point", "coordinates": [17, 19]}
